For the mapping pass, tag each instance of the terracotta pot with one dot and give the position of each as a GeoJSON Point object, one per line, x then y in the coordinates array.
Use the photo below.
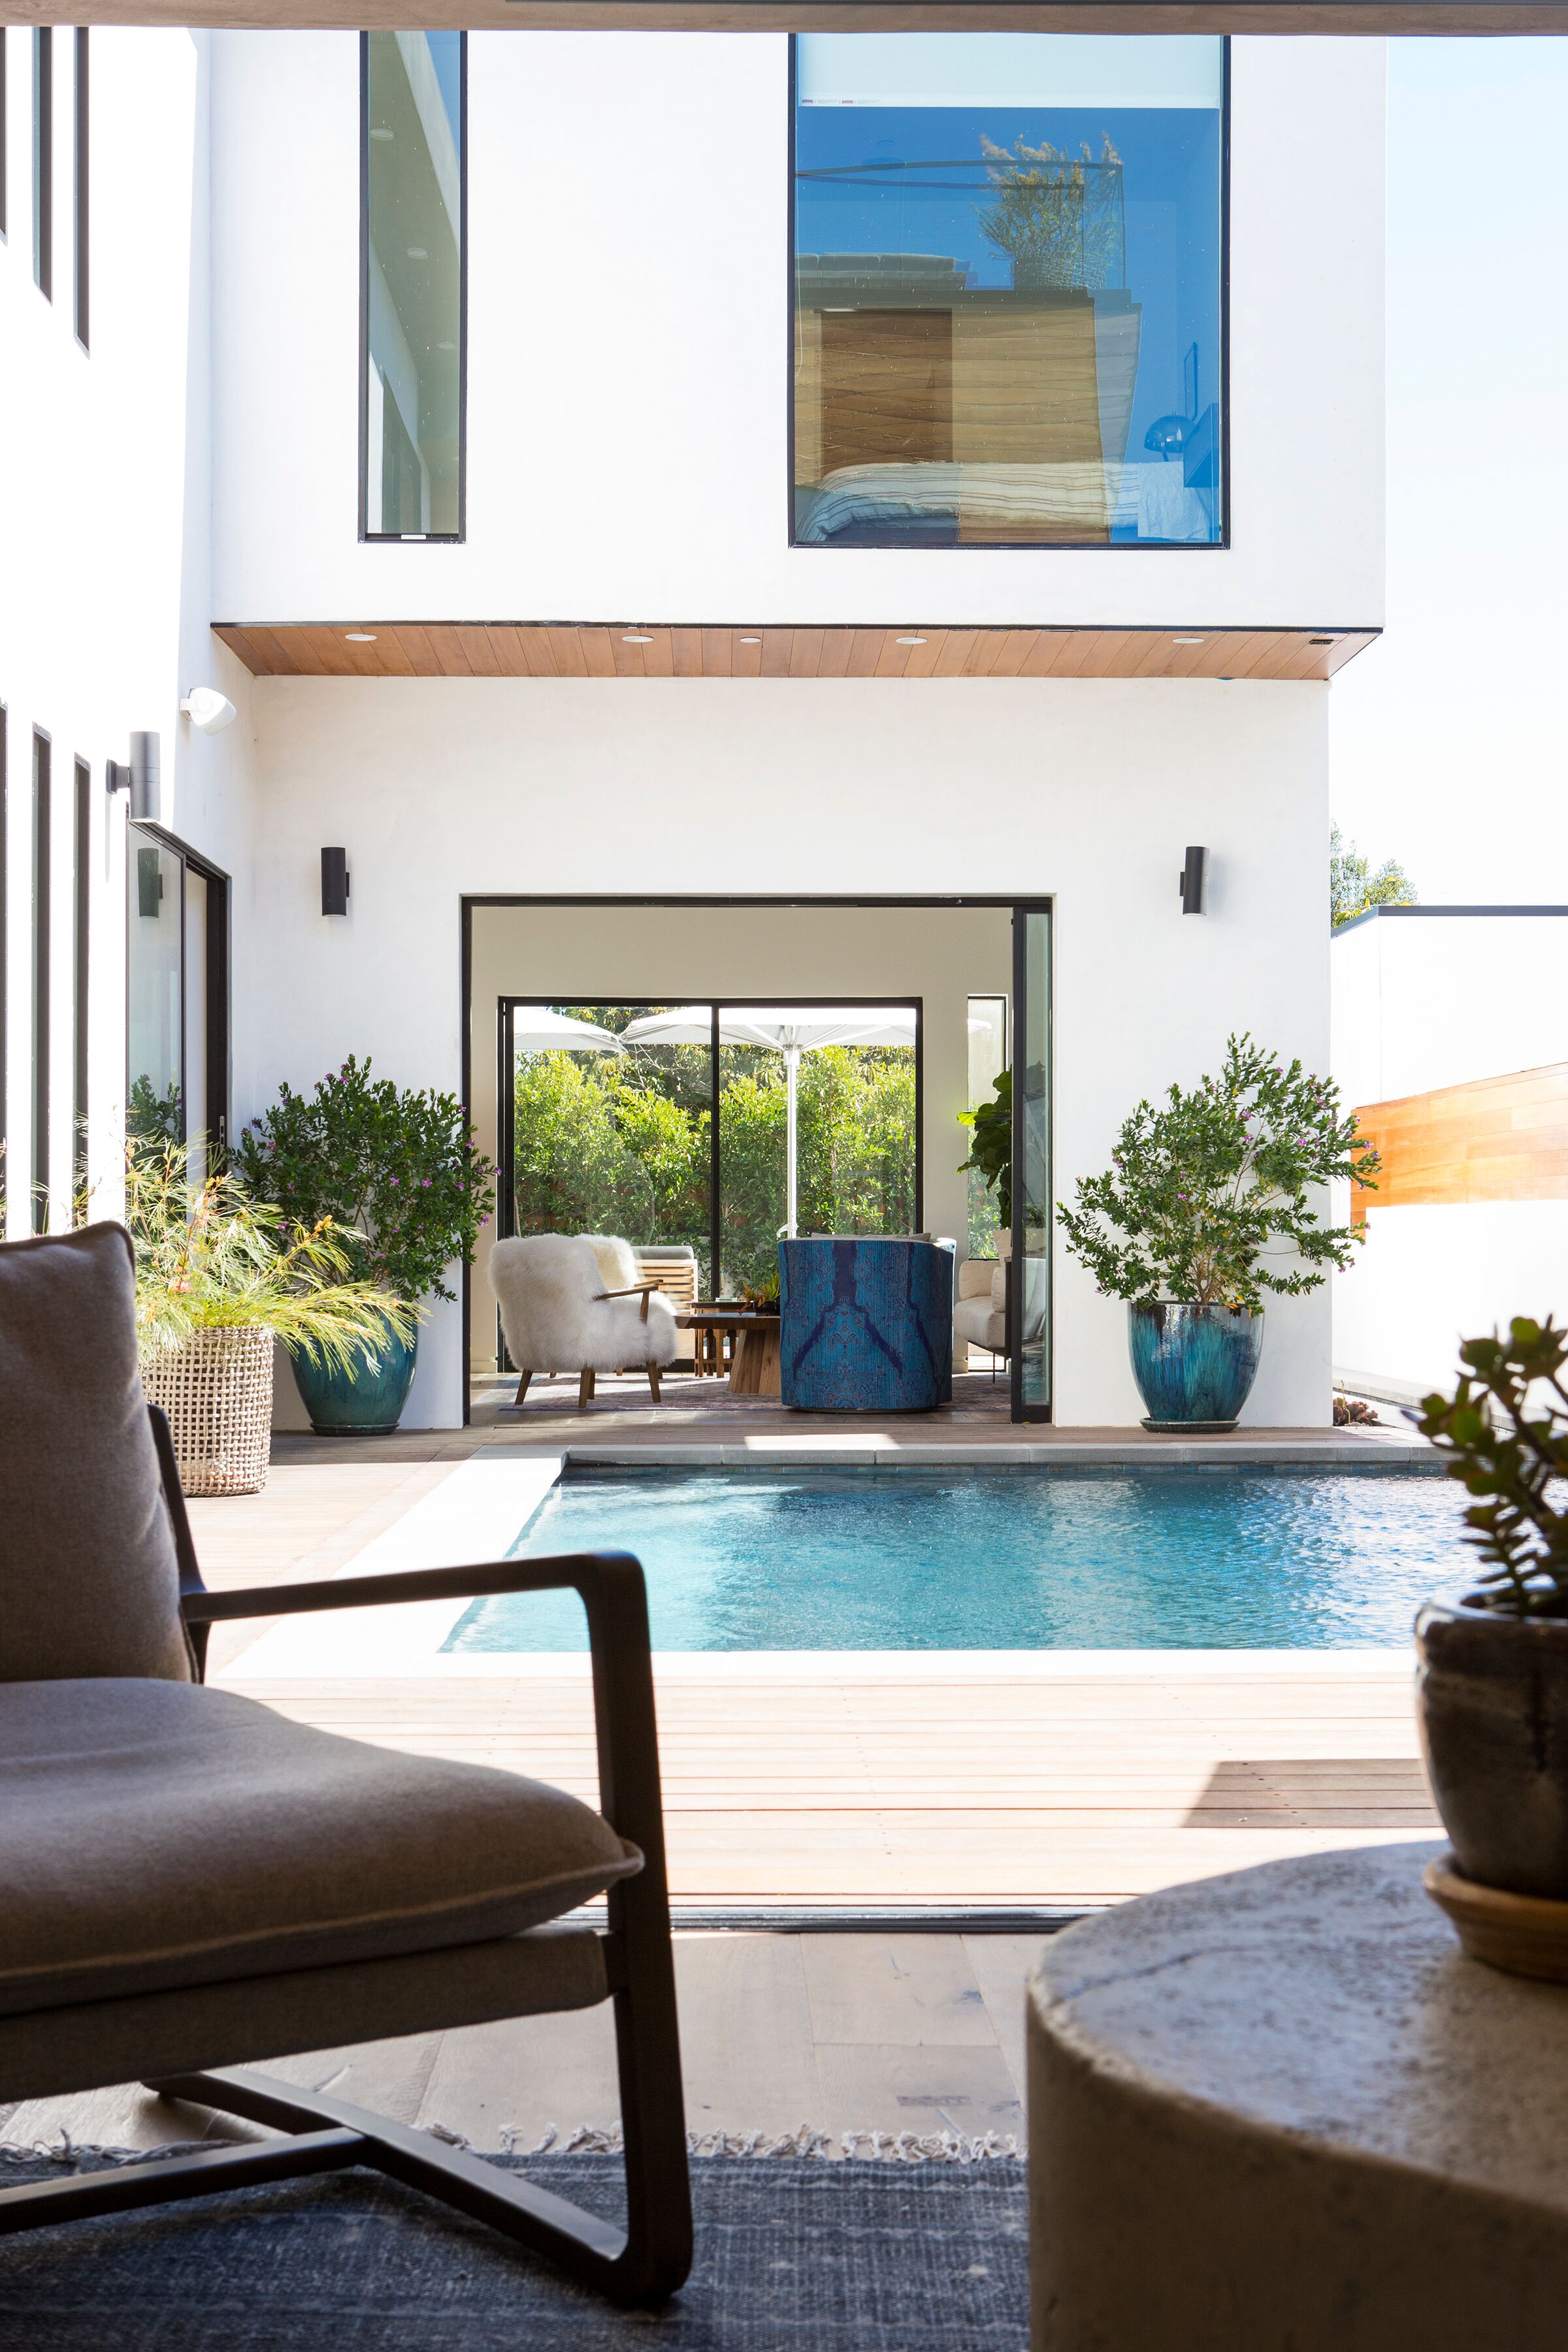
{"type": "Point", "coordinates": [1492, 1704]}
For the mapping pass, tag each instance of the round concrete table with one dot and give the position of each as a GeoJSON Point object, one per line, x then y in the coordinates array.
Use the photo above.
{"type": "Point", "coordinates": [1280, 2112]}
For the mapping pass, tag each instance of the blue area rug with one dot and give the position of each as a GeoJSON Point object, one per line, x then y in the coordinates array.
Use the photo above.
{"type": "Point", "coordinates": [790, 2254]}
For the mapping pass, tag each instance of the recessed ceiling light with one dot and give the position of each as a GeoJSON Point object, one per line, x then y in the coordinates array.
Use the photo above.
{"type": "Point", "coordinates": [635, 640]}
{"type": "Point", "coordinates": [360, 636]}
{"type": "Point", "coordinates": [1189, 641]}
{"type": "Point", "coordinates": [378, 131]}
{"type": "Point", "coordinates": [750, 641]}
{"type": "Point", "coordinates": [911, 641]}
{"type": "Point", "coordinates": [1319, 641]}
{"type": "Point", "coordinates": [418, 253]}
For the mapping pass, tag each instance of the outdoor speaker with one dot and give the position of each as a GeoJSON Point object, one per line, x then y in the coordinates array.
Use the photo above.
{"type": "Point", "coordinates": [146, 798]}
{"type": "Point", "coordinates": [1194, 881]}
{"type": "Point", "coordinates": [335, 881]}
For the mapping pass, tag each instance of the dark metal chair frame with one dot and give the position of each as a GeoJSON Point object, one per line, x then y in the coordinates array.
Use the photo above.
{"type": "Point", "coordinates": [648, 2261]}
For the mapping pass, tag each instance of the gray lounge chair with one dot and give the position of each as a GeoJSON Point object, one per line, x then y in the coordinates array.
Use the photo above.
{"type": "Point", "coordinates": [191, 1880]}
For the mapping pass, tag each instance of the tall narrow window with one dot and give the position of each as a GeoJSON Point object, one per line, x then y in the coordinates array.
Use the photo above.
{"type": "Point", "coordinates": [43, 161]}
{"type": "Point", "coordinates": [411, 297]}
{"type": "Point", "coordinates": [4, 158]}
{"type": "Point", "coordinates": [1008, 282]}
{"type": "Point", "coordinates": [81, 960]}
{"type": "Point", "coordinates": [81, 184]}
{"type": "Point", "coordinates": [40, 983]}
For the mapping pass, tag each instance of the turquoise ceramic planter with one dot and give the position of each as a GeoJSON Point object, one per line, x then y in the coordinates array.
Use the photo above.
{"type": "Point", "coordinates": [371, 1404]}
{"type": "Point", "coordinates": [1194, 1366]}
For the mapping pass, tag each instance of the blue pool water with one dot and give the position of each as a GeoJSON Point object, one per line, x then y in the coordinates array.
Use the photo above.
{"type": "Point", "coordinates": [996, 1559]}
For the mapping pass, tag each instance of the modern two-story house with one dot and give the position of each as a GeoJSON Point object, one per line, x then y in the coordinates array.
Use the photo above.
{"type": "Point", "coordinates": [691, 517]}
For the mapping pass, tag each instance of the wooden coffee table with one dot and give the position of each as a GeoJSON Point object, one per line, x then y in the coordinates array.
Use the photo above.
{"type": "Point", "coordinates": [755, 1346]}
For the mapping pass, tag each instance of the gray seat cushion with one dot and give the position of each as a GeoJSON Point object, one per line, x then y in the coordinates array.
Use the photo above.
{"type": "Point", "coordinates": [89, 1580]}
{"type": "Point", "coordinates": [156, 1835]}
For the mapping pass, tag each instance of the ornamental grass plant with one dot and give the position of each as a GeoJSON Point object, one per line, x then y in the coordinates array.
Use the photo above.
{"type": "Point", "coordinates": [208, 1256]}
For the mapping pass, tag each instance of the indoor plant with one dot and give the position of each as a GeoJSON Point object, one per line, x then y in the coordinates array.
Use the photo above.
{"type": "Point", "coordinates": [992, 1154]}
{"type": "Point", "coordinates": [397, 1166]}
{"type": "Point", "coordinates": [218, 1277]}
{"type": "Point", "coordinates": [1493, 1680]}
{"type": "Point", "coordinates": [1199, 1193]}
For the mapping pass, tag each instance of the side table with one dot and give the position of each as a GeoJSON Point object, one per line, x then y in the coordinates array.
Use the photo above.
{"type": "Point", "coordinates": [1280, 2111]}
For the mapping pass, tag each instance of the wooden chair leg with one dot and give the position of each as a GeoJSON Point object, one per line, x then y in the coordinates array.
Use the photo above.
{"type": "Point", "coordinates": [584, 1391]}
{"type": "Point", "coordinates": [652, 1382]}
{"type": "Point", "coordinates": [523, 1388]}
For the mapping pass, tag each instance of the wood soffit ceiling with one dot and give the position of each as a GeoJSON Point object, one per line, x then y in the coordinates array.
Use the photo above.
{"type": "Point", "coordinates": [1286, 16]}
{"type": "Point", "coordinates": [634, 649]}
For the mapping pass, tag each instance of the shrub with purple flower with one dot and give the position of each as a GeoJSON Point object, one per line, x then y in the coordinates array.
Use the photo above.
{"type": "Point", "coordinates": [366, 1152]}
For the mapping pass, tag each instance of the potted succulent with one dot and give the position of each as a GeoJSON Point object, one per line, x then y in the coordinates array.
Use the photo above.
{"type": "Point", "coordinates": [218, 1277]}
{"type": "Point", "coordinates": [395, 1172]}
{"type": "Point", "coordinates": [1493, 1663]}
{"type": "Point", "coordinates": [1199, 1193]}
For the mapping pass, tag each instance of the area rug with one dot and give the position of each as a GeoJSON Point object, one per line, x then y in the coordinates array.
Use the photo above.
{"type": "Point", "coordinates": [792, 2253]}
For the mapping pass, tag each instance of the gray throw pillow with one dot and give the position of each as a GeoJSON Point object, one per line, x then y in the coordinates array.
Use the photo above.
{"type": "Point", "coordinates": [89, 1580]}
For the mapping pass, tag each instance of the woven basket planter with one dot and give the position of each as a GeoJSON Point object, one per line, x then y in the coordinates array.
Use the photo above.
{"type": "Point", "coordinates": [217, 1393]}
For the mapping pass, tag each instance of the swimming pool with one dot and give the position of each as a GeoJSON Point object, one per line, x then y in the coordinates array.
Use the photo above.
{"type": "Point", "coordinates": [996, 1559]}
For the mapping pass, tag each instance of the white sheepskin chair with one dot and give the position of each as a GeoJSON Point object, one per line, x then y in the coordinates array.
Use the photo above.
{"type": "Point", "coordinates": [576, 1303]}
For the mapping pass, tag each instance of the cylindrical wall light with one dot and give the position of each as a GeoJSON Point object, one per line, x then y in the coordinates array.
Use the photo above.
{"type": "Point", "coordinates": [1193, 882]}
{"type": "Point", "coordinates": [335, 881]}
{"type": "Point", "coordinates": [146, 796]}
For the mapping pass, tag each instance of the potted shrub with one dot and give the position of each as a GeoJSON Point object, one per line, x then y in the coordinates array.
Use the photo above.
{"type": "Point", "coordinates": [1199, 1193]}
{"type": "Point", "coordinates": [218, 1277]}
{"type": "Point", "coordinates": [1492, 1687]}
{"type": "Point", "coordinates": [398, 1169]}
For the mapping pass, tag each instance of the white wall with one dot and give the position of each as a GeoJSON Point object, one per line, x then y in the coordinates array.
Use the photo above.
{"type": "Point", "coordinates": [630, 358]}
{"type": "Point", "coordinates": [1435, 999]}
{"type": "Point", "coordinates": [1088, 790]}
{"type": "Point", "coordinates": [1429, 1277]}
{"type": "Point", "coordinates": [103, 585]}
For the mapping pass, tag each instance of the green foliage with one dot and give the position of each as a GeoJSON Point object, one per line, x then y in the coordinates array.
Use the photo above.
{"type": "Point", "coordinates": [621, 1144]}
{"type": "Point", "coordinates": [992, 1154]}
{"type": "Point", "coordinates": [1058, 217]}
{"type": "Point", "coordinates": [394, 1170]}
{"type": "Point", "coordinates": [152, 1119]}
{"type": "Point", "coordinates": [1200, 1191]}
{"type": "Point", "coordinates": [1354, 886]}
{"type": "Point", "coordinates": [207, 1254]}
{"type": "Point", "coordinates": [1515, 1458]}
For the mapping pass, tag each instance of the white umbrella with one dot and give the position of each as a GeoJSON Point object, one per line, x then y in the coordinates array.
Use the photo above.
{"type": "Point", "coordinates": [781, 1029]}
{"type": "Point", "coordinates": [536, 1029]}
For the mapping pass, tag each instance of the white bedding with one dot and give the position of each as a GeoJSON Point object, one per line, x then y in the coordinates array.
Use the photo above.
{"type": "Point", "coordinates": [1082, 497]}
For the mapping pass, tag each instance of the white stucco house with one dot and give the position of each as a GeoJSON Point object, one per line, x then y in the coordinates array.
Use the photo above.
{"type": "Point", "coordinates": [687, 513]}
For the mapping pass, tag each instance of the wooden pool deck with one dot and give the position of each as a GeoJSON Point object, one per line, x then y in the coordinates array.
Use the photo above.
{"type": "Point", "coordinates": [941, 1783]}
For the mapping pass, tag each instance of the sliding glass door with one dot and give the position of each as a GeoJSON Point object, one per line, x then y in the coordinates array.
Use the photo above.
{"type": "Point", "coordinates": [1030, 1337]}
{"type": "Point", "coordinates": [176, 998]}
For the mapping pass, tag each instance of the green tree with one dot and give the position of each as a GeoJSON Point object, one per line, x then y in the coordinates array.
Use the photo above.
{"type": "Point", "coordinates": [1354, 886]}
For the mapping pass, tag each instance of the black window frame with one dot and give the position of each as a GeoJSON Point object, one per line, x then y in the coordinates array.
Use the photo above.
{"type": "Point", "coordinates": [43, 885]}
{"type": "Point", "coordinates": [402, 538]}
{"type": "Point", "coordinates": [80, 220]}
{"type": "Point", "coordinates": [216, 980]}
{"type": "Point", "coordinates": [43, 161]}
{"type": "Point", "coordinates": [1219, 546]}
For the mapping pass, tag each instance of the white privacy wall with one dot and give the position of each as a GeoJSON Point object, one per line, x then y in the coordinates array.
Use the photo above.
{"type": "Point", "coordinates": [104, 595]}
{"type": "Point", "coordinates": [1439, 997]}
{"type": "Point", "coordinates": [1086, 791]}
{"type": "Point", "coordinates": [629, 353]}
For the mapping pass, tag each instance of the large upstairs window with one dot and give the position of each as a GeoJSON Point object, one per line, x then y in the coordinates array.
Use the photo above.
{"type": "Point", "coordinates": [412, 305]}
{"type": "Point", "coordinates": [1008, 257]}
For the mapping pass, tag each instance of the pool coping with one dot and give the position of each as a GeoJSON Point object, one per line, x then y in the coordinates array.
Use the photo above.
{"type": "Point", "coordinates": [1060, 1454]}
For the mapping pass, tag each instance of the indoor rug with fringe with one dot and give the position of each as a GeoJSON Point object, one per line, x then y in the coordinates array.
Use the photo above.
{"type": "Point", "coordinates": [792, 2253]}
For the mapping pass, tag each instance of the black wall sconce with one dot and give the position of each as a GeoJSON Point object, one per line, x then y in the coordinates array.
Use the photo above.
{"type": "Point", "coordinates": [335, 881]}
{"type": "Point", "coordinates": [1193, 882]}
{"type": "Point", "coordinates": [141, 779]}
